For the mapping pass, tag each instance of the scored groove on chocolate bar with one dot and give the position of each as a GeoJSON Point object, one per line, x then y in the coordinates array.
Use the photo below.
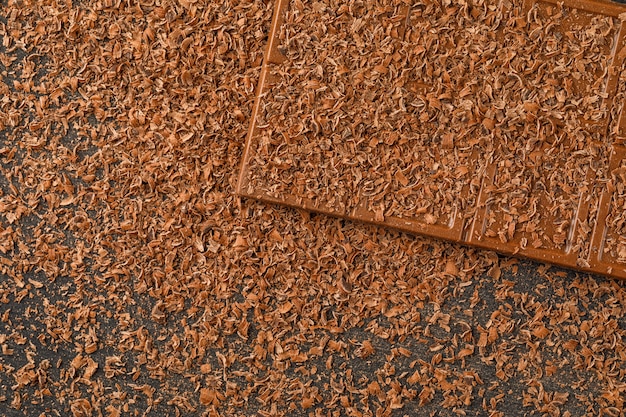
{"type": "Point", "coordinates": [496, 124]}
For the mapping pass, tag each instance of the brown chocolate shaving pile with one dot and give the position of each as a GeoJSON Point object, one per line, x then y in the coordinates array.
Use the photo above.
{"type": "Point", "coordinates": [134, 282]}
